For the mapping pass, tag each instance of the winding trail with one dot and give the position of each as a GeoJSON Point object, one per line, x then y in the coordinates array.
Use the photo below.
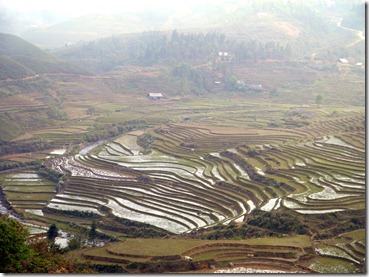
{"type": "Point", "coordinates": [360, 34]}
{"type": "Point", "coordinates": [20, 79]}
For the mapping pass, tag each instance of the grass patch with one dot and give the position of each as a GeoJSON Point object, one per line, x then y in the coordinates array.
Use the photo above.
{"type": "Point", "coordinates": [329, 265]}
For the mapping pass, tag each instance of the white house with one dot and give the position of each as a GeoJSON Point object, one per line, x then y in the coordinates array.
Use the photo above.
{"type": "Point", "coordinates": [342, 60]}
{"type": "Point", "coordinates": [154, 96]}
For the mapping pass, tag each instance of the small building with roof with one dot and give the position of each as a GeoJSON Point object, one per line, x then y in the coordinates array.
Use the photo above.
{"type": "Point", "coordinates": [155, 95]}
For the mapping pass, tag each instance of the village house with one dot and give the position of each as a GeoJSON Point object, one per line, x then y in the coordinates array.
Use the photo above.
{"type": "Point", "coordinates": [342, 60]}
{"type": "Point", "coordinates": [223, 56]}
{"type": "Point", "coordinates": [255, 87]}
{"type": "Point", "coordinates": [154, 96]}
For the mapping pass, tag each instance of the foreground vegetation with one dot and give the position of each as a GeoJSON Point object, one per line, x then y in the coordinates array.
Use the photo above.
{"type": "Point", "coordinates": [291, 254]}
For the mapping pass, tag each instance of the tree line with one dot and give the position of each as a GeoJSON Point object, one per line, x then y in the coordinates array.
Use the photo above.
{"type": "Point", "coordinates": [157, 47]}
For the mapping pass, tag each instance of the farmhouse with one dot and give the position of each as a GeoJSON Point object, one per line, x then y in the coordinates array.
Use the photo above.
{"type": "Point", "coordinates": [223, 56]}
{"type": "Point", "coordinates": [154, 96]}
{"type": "Point", "coordinates": [343, 60]}
{"type": "Point", "coordinates": [255, 87]}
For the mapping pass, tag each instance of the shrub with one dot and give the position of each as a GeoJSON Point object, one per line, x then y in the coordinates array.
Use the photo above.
{"type": "Point", "coordinates": [277, 222]}
{"type": "Point", "coordinates": [13, 248]}
{"type": "Point", "coordinates": [104, 268]}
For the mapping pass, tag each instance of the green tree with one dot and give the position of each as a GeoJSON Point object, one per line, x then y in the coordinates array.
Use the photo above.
{"type": "Point", "coordinates": [21, 254]}
{"type": "Point", "coordinates": [185, 87]}
{"type": "Point", "coordinates": [92, 233]}
{"type": "Point", "coordinates": [52, 233]}
{"type": "Point", "coordinates": [74, 243]}
{"type": "Point", "coordinates": [318, 99]}
{"type": "Point", "coordinates": [13, 247]}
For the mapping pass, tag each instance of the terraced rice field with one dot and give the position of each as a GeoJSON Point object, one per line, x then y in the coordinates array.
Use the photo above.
{"type": "Point", "coordinates": [292, 254]}
{"type": "Point", "coordinates": [342, 254]}
{"type": "Point", "coordinates": [27, 191]}
{"type": "Point", "coordinates": [195, 175]}
{"type": "Point", "coordinates": [281, 253]}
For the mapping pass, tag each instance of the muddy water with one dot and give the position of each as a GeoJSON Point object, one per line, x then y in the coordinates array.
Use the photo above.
{"type": "Point", "coordinates": [87, 149]}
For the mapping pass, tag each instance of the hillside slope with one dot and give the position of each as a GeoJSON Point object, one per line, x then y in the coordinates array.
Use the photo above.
{"type": "Point", "coordinates": [29, 79]}
{"type": "Point", "coordinates": [11, 69]}
{"type": "Point", "coordinates": [21, 59]}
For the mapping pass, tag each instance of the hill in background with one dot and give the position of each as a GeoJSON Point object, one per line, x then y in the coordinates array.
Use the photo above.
{"type": "Point", "coordinates": [21, 59]}
{"type": "Point", "coordinates": [94, 26]}
{"type": "Point", "coordinates": [26, 86]}
{"type": "Point", "coordinates": [228, 17]}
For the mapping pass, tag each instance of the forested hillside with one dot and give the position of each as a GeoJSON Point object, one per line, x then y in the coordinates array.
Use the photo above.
{"type": "Point", "coordinates": [157, 47]}
{"type": "Point", "coordinates": [10, 68]}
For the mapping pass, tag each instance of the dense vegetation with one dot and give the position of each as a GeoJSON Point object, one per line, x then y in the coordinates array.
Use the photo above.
{"type": "Point", "coordinates": [285, 223]}
{"type": "Point", "coordinates": [12, 69]}
{"type": "Point", "coordinates": [153, 47]}
{"type": "Point", "coordinates": [16, 147]}
{"type": "Point", "coordinates": [20, 254]}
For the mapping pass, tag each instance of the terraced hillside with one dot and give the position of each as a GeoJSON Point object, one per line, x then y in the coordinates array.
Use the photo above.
{"type": "Point", "coordinates": [294, 254]}
{"type": "Point", "coordinates": [28, 191]}
{"type": "Point", "coordinates": [159, 255]}
{"type": "Point", "coordinates": [187, 176]}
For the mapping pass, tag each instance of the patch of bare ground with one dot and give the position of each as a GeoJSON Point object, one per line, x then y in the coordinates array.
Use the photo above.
{"type": "Point", "coordinates": [23, 137]}
{"type": "Point", "coordinates": [13, 102]}
{"type": "Point", "coordinates": [133, 71]}
{"type": "Point", "coordinates": [273, 73]}
{"type": "Point", "coordinates": [288, 28]}
{"type": "Point", "coordinates": [23, 157]}
{"type": "Point", "coordinates": [137, 133]}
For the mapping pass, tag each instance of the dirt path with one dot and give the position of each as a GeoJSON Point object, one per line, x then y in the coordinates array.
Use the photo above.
{"type": "Point", "coordinates": [20, 79]}
{"type": "Point", "coordinates": [360, 34]}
